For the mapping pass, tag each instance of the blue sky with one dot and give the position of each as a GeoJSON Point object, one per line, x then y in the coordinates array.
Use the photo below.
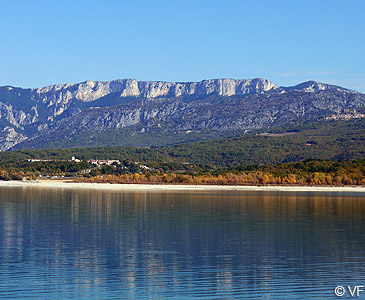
{"type": "Point", "coordinates": [285, 41]}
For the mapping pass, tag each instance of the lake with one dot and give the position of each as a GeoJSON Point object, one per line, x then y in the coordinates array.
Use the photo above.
{"type": "Point", "coordinates": [93, 244]}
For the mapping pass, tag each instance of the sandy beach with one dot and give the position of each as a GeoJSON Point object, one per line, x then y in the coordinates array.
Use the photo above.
{"type": "Point", "coordinates": [157, 187]}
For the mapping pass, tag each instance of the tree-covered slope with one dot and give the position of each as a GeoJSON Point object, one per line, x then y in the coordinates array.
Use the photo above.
{"type": "Point", "coordinates": [325, 139]}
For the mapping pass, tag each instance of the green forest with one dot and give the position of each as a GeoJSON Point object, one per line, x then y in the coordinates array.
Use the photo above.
{"type": "Point", "coordinates": [320, 152]}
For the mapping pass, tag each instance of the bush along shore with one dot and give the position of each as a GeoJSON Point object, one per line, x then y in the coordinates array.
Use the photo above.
{"type": "Point", "coordinates": [308, 172]}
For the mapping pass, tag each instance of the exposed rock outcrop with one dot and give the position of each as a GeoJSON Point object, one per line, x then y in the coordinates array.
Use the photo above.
{"type": "Point", "coordinates": [91, 90]}
{"type": "Point", "coordinates": [9, 138]}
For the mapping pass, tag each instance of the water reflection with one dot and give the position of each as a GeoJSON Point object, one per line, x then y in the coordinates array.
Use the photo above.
{"type": "Point", "coordinates": [106, 245]}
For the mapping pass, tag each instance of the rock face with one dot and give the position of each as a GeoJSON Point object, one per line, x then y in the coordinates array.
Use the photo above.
{"type": "Point", "coordinates": [9, 138]}
{"type": "Point", "coordinates": [92, 90]}
{"type": "Point", "coordinates": [45, 117]}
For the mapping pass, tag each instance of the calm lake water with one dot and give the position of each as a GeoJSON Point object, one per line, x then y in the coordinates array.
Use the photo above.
{"type": "Point", "coordinates": [93, 244]}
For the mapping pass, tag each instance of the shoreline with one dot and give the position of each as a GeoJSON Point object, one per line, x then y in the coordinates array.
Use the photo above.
{"type": "Point", "coordinates": [168, 187]}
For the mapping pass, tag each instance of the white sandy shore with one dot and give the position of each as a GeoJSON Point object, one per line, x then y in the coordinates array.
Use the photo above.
{"type": "Point", "coordinates": [156, 187]}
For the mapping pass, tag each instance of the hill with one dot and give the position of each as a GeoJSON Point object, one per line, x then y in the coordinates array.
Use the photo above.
{"type": "Point", "coordinates": [323, 139]}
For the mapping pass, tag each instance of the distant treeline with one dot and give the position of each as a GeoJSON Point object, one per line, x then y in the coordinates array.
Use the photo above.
{"type": "Point", "coordinates": [308, 172]}
{"type": "Point", "coordinates": [301, 173]}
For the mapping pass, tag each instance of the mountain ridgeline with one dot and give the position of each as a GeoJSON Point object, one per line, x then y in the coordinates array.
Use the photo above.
{"type": "Point", "coordinates": [132, 113]}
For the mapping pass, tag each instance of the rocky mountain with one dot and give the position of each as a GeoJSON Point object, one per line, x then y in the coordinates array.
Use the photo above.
{"type": "Point", "coordinates": [145, 113]}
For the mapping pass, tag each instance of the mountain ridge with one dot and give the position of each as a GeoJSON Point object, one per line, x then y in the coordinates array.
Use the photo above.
{"type": "Point", "coordinates": [59, 86]}
{"type": "Point", "coordinates": [56, 114]}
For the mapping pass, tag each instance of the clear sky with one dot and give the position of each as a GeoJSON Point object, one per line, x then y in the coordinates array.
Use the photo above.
{"type": "Point", "coordinates": [285, 41]}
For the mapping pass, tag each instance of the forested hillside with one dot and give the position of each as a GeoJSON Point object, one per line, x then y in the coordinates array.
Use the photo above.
{"type": "Point", "coordinates": [325, 139]}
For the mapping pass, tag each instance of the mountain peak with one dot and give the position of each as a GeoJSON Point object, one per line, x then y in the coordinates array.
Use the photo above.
{"type": "Point", "coordinates": [315, 86]}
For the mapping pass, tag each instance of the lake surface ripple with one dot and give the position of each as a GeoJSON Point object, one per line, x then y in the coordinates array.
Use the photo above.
{"type": "Point", "coordinates": [94, 244]}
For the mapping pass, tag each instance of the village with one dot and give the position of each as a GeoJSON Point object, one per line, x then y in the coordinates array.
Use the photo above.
{"type": "Point", "coordinates": [93, 162]}
{"type": "Point", "coordinates": [76, 167]}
